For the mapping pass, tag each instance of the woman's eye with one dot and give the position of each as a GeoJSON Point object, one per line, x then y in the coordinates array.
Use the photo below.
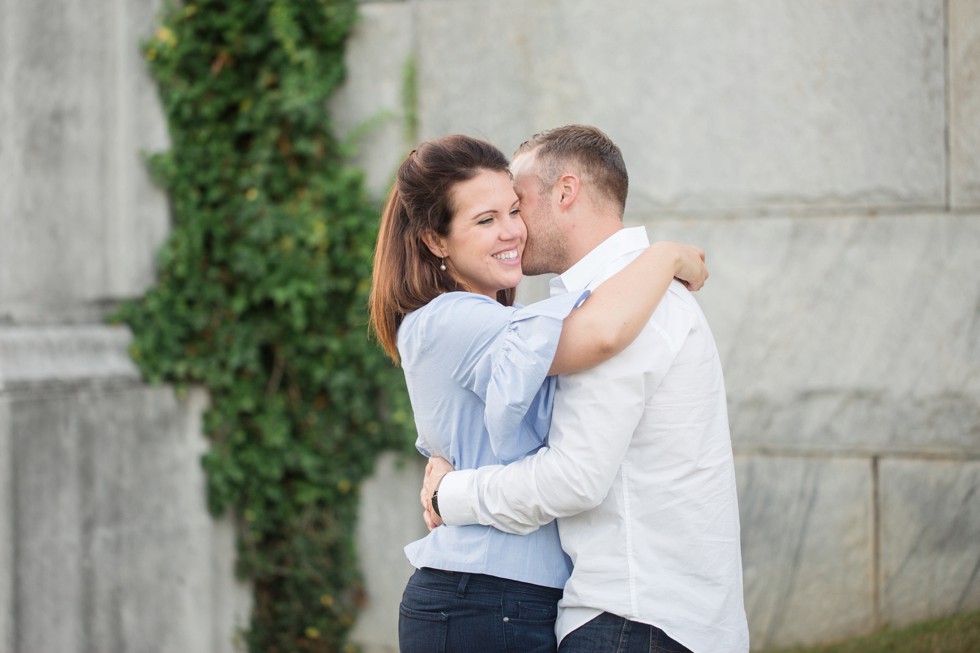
{"type": "Point", "coordinates": [486, 220]}
{"type": "Point", "coordinates": [515, 211]}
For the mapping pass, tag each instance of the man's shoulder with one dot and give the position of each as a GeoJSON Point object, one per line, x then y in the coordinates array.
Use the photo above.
{"type": "Point", "coordinates": [676, 317]}
{"type": "Point", "coordinates": [677, 298]}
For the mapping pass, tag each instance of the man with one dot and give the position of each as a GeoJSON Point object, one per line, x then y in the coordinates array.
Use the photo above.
{"type": "Point", "coordinates": [638, 469]}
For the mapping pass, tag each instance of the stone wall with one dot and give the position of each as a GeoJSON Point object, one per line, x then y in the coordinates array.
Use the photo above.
{"type": "Point", "coordinates": [105, 540]}
{"type": "Point", "coordinates": [827, 156]}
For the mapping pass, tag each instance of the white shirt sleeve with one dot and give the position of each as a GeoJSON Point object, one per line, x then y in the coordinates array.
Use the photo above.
{"type": "Point", "coordinates": [596, 413]}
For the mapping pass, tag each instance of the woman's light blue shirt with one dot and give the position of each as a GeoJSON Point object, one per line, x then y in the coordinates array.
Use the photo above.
{"type": "Point", "coordinates": [472, 363]}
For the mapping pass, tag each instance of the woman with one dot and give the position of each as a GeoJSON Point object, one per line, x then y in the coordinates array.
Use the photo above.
{"type": "Point", "coordinates": [447, 261]}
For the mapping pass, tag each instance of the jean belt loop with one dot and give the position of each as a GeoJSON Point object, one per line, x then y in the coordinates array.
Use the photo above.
{"type": "Point", "coordinates": [463, 580]}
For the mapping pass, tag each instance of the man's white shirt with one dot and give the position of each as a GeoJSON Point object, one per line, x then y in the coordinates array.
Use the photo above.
{"type": "Point", "coordinates": [638, 471]}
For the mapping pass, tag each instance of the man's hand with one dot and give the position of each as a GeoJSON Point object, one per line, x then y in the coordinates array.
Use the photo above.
{"type": "Point", "coordinates": [434, 471]}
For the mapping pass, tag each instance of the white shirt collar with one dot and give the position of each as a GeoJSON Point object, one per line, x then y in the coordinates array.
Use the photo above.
{"type": "Point", "coordinates": [591, 266]}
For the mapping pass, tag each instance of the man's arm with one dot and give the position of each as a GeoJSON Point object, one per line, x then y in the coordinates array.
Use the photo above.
{"type": "Point", "coordinates": [596, 413]}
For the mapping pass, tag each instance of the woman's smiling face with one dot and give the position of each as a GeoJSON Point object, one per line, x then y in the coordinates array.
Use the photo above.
{"type": "Point", "coordinates": [486, 236]}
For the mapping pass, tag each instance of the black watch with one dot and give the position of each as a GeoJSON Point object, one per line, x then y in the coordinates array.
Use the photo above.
{"type": "Point", "coordinates": [435, 503]}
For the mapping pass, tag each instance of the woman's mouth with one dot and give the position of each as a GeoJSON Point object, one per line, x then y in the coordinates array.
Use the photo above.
{"type": "Point", "coordinates": [509, 255]}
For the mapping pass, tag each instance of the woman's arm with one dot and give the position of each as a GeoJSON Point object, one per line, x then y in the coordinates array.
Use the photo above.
{"type": "Point", "coordinates": [613, 315]}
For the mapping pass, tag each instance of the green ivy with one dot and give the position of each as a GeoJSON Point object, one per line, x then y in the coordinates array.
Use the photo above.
{"type": "Point", "coordinates": [261, 299]}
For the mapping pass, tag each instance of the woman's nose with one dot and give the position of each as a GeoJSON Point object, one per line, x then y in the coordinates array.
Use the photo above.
{"type": "Point", "coordinates": [514, 229]}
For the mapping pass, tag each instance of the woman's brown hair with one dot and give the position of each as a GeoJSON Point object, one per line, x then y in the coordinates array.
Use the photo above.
{"type": "Point", "coordinates": [406, 273]}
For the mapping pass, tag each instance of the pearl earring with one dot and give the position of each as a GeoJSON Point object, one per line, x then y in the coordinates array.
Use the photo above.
{"type": "Point", "coordinates": [442, 264]}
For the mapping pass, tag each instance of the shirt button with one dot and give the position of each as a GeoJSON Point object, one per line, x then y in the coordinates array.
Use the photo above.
{"type": "Point", "coordinates": [506, 619]}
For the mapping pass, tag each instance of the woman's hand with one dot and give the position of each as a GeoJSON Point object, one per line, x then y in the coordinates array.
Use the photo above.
{"type": "Point", "coordinates": [689, 267]}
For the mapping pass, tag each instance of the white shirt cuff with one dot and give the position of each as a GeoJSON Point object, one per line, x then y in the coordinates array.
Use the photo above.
{"type": "Point", "coordinates": [454, 491]}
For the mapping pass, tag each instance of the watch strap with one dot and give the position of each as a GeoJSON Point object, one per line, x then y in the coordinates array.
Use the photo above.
{"type": "Point", "coordinates": [435, 503]}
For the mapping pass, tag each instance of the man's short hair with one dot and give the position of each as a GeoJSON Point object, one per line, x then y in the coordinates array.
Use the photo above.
{"type": "Point", "coordinates": [586, 148]}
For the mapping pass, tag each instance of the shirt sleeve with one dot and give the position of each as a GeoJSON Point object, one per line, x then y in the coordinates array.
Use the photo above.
{"type": "Point", "coordinates": [503, 356]}
{"type": "Point", "coordinates": [519, 396]}
{"type": "Point", "coordinates": [595, 415]}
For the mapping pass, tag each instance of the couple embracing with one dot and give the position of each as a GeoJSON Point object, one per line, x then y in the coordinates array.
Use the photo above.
{"type": "Point", "coordinates": [580, 491]}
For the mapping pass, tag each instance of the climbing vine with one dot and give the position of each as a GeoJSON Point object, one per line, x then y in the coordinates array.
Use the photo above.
{"type": "Point", "coordinates": [261, 299]}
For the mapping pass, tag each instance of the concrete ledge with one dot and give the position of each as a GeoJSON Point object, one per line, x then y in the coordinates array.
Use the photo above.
{"type": "Point", "coordinates": [37, 357]}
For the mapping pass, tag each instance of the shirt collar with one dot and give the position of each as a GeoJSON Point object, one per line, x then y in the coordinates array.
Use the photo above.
{"type": "Point", "coordinates": [592, 265]}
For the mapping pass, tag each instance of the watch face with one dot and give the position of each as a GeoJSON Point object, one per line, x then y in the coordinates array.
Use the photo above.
{"type": "Point", "coordinates": [435, 503]}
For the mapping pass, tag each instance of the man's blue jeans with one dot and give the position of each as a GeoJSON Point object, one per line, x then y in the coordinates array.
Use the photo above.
{"type": "Point", "coordinates": [450, 612]}
{"type": "Point", "coordinates": [608, 633]}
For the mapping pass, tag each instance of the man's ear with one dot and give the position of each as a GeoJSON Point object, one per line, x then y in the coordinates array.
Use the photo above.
{"type": "Point", "coordinates": [435, 243]}
{"type": "Point", "coordinates": [568, 186]}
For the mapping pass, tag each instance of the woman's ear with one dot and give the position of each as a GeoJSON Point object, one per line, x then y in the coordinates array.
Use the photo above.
{"type": "Point", "coordinates": [435, 243]}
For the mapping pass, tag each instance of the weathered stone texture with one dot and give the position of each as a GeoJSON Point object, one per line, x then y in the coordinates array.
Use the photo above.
{"type": "Point", "coordinates": [6, 533]}
{"type": "Point", "coordinates": [371, 105]}
{"type": "Point", "coordinates": [59, 355]}
{"type": "Point", "coordinates": [845, 333]}
{"type": "Point", "coordinates": [114, 549]}
{"type": "Point", "coordinates": [930, 530]}
{"type": "Point", "coordinates": [719, 104]}
{"type": "Point", "coordinates": [964, 100]}
{"type": "Point", "coordinates": [807, 531]}
{"type": "Point", "coordinates": [79, 218]}
{"type": "Point", "coordinates": [389, 505]}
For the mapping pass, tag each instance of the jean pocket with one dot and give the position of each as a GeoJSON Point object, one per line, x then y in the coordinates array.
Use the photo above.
{"type": "Point", "coordinates": [537, 611]}
{"type": "Point", "coordinates": [421, 631]}
{"type": "Point", "coordinates": [531, 627]}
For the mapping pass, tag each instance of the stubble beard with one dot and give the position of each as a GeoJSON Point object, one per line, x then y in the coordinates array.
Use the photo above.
{"type": "Point", "coordinates": [544, 254]}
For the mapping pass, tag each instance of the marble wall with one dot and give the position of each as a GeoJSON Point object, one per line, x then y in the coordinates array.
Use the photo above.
{"type": "Point", "coordinates": [80, 221]}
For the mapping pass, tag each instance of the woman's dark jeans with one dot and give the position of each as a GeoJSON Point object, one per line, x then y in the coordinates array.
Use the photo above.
{"type": "Point", "coordinates": [451, 612]}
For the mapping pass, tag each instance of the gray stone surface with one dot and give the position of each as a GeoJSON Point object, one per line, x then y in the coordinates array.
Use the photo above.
{"type": "Point", "coordinates": [807, 528]}
{"type": "Point", "coordinates": [79, 219]}
{"type": "Point", "coordinates": [33, 357]}
{"type": "Point", "coordinates": [390, 517]}
{"type": "Point", "coordinates": [6, 533]}
{"type": "Point", "coordinates": [845, 334]}
{"type": "Point", "coordinates": [964, 100]}
{"type": "Point", "coordinates": [930, 530]}
{"type": "Point", "coordinates": [370, 107]}
{"type": "Point", "coordinates": [115, 551]}
{"type": "Point", "coordinates": [721, 104]}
